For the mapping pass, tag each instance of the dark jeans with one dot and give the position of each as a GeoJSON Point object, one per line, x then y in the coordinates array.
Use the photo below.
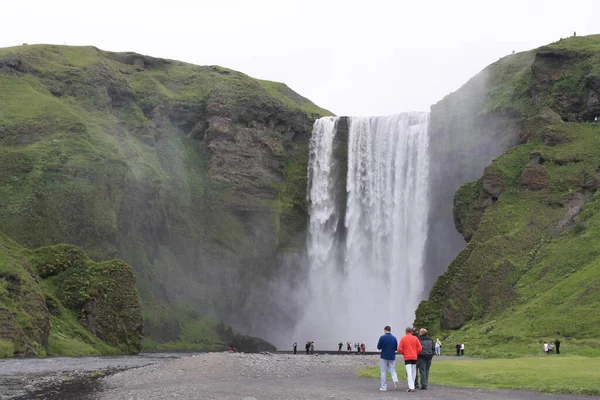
{"type": "Point", "coordinates": [424, 364]}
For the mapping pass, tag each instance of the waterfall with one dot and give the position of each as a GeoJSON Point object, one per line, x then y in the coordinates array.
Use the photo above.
{"type": "Point", "coordinates": [368, 225]}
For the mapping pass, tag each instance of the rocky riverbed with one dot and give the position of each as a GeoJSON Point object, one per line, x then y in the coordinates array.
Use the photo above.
{"type": "Point", "coordinates": [229, 376]}
{"type": "Point", "coordinates": [225, 376]}
{"type": "Point", "coordinates": [65, 377]}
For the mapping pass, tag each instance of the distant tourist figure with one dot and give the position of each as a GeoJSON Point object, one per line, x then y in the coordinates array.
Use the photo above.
{"type": "Point", "coordinates": [458, 349]}
{"type": "Point", "coordinates": [438, 347]}
{"type": "Point", "coordinates": [424, 360]}
{"type": "Point", "coordinates": [231, 349]}
{"type": "Point", "coordinates": [312, 347]}
{"type": "Point", "coordinates": [362, 347]}
{"type": "Point", "coordinates": [340, 344]}
{"type": "Point", "coordinates": [295, 347]}
{"type": "Point", "coordinates": [410, 347]}
{"type": "Point", "coordinates": [574, 33]}
{"type": "Point", "coordinates": [462, 349]}
{"type": "Point", "coordinates": [387, 344]}
{"type": "Point", "coordinates": [546, 348]}
{"type": "Point", "coordinates": [348, 347]}
{"type": "Point", "coordinates": [557, 344]}
{"type": "Point", "coordinates": [513, 52]}
{"type": "Point", "coordinates": [307, 347]}
{"type": "Point", "coordinates": [595, 120]}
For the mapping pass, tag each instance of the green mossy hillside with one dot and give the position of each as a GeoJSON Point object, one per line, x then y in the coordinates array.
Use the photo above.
{"type": "Point", "coordinates": [56, 301]}
{"type": "Point", "coordinates": [193, 175]}
{"type": "Point", "coordinates": [530, 270]}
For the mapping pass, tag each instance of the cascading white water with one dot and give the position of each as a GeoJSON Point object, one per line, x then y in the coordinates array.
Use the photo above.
{"type": "Point", "coordinates": [367, 272]}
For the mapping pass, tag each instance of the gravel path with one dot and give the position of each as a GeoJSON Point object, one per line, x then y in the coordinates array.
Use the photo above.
{"type": "Point", "coordinates": [274, 376]}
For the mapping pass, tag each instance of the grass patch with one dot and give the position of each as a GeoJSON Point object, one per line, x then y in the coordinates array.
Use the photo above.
{"type": "Point", "coordinates": [552, 374]}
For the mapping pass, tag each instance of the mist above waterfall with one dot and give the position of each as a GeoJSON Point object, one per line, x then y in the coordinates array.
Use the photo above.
{"type": "Point", "coordinates": [368, 226]}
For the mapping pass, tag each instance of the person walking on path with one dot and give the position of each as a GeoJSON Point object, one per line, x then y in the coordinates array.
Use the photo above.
{"type": "Point", "coordinates": [462, 349]}
{"type": "Point", "coordinates": [387, 344]}
{"type": "Point", "coordinates": [410, 347]}
{"type": "Point", "coordinates": [415, 332]}
{"type": "Point", "coordinates": [424, 360]}
{"type": "Point", "coordinates": [295, 347]}
{"type": "Point", "coordinates": [557, 344]}
{"type": "Point", "coordinates": [438, 347]}
{"type": "Point", "coordinates": [546, 348]}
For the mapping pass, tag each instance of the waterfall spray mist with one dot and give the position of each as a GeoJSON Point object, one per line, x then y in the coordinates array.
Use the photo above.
{"type": "Point", "coordinates": [366, 272]}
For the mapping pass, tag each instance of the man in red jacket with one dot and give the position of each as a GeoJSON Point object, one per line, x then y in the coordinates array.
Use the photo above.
{"type": "Point", "coordinates": [410, 347]}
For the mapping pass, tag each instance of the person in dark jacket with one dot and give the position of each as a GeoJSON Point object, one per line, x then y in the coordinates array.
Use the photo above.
{"type": "Point", "coordinates": [295, 347]}
{"type": "Point", "coordinates": [557, 346]}
{"type": "Point", "coordinates": [425, 357]}
{"type": "Point", "coordinates": [387, 344]}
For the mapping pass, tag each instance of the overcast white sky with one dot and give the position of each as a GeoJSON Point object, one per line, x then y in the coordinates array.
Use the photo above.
{"type": "Point", "coordinates": [372, 57]}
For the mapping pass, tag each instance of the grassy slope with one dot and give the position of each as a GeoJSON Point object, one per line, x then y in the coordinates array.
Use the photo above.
{"type": "Point", "coordinates": [92, 154]}
{"type": "Point", "coordinates": [527, 275]}
{"type": "Point", "coordinates": [552, 374]}
{"type": "Point", "coordinates": [46, 292]}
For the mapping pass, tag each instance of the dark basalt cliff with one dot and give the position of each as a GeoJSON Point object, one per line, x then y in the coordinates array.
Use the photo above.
{"type": "Point", "coordinates": [195, 176]}
{"type": "Point", "coordinates": [529, 268]}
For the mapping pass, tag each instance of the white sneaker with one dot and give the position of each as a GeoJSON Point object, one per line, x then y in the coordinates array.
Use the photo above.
{"type": "Point", "coordinates": [395, 384]}
{"type": "Point", "coordinates": [382, 389]}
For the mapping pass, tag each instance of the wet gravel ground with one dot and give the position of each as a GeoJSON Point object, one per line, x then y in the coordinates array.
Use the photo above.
{"type": "Point", "coordinates": [274, 376]}
{"type": "Point", "coordinates": [65, 377]}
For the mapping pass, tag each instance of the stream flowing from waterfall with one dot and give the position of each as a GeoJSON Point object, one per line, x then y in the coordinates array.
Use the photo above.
{"type": "Point", "coordinates": [368, 206]}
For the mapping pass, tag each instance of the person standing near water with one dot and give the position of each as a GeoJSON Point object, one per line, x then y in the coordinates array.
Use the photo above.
{"type": "Point", "coordinates": [340, 344]}
{"type": "Point", "coordinates": [424, 360]}
{"type": "Point", "coordinates": [415, 332]}
{"type": "Point", "coordinates": [410, 347]}
{"type": "Point", "coordinates": [295, 347]}
{"type": "Point", "coordinates": [387, 344]}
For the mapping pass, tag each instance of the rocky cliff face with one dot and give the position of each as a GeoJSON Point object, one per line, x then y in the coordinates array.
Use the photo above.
{"type": "Point", "coordinates": [528, 271]}
{"type": "Point", "coordinates": [195, 176]}
{"type": "Point", "coordinates": [468, 129]}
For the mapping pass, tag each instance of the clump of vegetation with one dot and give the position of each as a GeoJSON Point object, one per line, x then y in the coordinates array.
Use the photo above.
{"type": "Point", "coordinates": [56, 301]}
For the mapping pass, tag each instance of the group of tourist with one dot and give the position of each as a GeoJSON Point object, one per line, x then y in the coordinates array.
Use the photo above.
{"type": "Point", "coordinates": [550, 348]}
{"type": "Point", "coordinates": [417, 349]}
{"type": "Point", "coordinates": [358, 347]}
{"type": "Point", "coordinates": [309, 346]}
